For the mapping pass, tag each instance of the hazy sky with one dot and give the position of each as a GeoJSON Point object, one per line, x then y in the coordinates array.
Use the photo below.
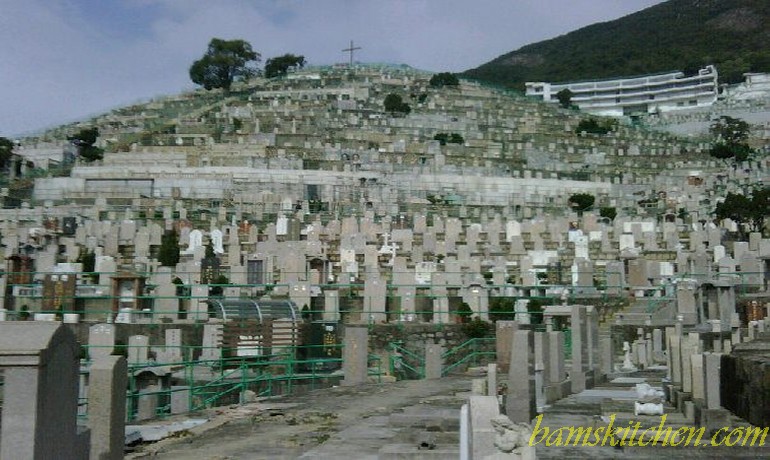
{"type": "Point", "coordinates": [62, 60]}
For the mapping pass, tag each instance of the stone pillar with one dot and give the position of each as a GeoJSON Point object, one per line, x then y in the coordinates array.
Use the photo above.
{"type": "Point", "coordinates": [592, 340]}
{"type": "Point", "coordinates": [39, 361]}
{"type": "Point", "coordinates": [605, 344]}
{"type": "Point", "coordinates": [657, 345]}
{"type": "Point", "coordinates": [482, 435]}
{"type": "Point", "coordinates": [441, 310]}
{"type": "Point", "coordinates": [689, 347]}
{"type": "Point", "coordinates": [577, 374]}
{"type": "Point", "coordinates": [520, 402]}
{"type": "Point", "coordinates": [543, 355]}
{"type": "Point", "coordinates": [107, 384]}
{"type": "Point", "coordinates": [556, 362]}
{"type": "Point", "coordinates": [698, 380]}
{"type": "Point", "coordinates": [676, 360]}
{"type": "Point", "coordinates": [492, 379]}
{"type": "Point", "coordinates": [433, 360]}
{"type": "Point", "coordinates": [713, 364]}
{"type": "Point", "coordinates": [504, 337]}
{"type": "Point", "coordinates": [355, 357]}
{"type": "Point", "coordinates": [331, 306]}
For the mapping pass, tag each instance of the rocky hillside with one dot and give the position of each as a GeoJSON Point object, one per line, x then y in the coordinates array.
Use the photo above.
{"type": "Point", "coordinates": [674, 35]}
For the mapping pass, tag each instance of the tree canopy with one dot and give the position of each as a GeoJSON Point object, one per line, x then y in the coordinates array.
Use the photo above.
{"type": "Point", "coordinates": [444, 79]}
{"type": "Point", "coordinates": [730, 138]}
{"type": "Point", "coordinates": [84, 141]}
{"type": "Point", "coordinates": [395, 104]}
{"type": "Point", "coordinates": [280, 65]}
{"type": "Point", "coordinates": [565, 98]}
{"type": "Point", "coordinates": [6, 151]}
{"type": "Point", "coordinates": [750, 210]}
{"type": "Point", "coordinates": [168, 254]}
{"type": "Point", "coordinates": [730, 130]}
{"type": "Point", "coordinates": [445, 138]}
{"type": "Point", "coordinates": [224, 62]}
{"type": "Point", "coordinates": [581, 201]}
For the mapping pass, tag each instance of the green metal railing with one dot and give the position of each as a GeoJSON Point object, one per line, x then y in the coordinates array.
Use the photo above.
{"type": "Point", "coordinates": [405, 364]}
{"type": "Point", "coordinates": [213, 382]}
{"type": "Point", "coordinates": [469, 353]}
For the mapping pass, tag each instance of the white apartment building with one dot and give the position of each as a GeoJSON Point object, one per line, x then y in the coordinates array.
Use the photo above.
{"type": "Point", "coordinates": [633, 95]}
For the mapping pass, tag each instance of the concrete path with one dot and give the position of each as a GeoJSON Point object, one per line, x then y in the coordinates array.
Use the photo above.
{"type": "Point", "coordinates": [341, 422]}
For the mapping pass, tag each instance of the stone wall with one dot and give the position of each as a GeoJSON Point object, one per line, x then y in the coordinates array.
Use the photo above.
{"type": "Point", "coordinates": [745, 381]}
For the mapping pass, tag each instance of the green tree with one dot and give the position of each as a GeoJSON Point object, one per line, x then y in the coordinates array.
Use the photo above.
{"type": "Point", "coordinates": [395, 104]}
{"type": "Point", "coordinates": [279, 66]}
{"type": "Point", "coordinates": [608, 212]}
{"type": "Point", "coordinates": [445, 138]}
{"type": "Point", "coordinates": [444, 79]}
{"type": "Point", "coordinates": [502, 309]}
{"type": "Point", "coordinates": [168, 254]}
{"type": "Point", "coordinates": [594, 126]}
{"type": "Point", "coordinates": [84, 141]}
{"type": "Point", "coordinates": [218, 286]}
{"type": "Point", "coordinates": [225, 62]}
{"type": "Point", "coordinates": [730, 130]}
{"type": "Point", "coordinates": [581, 201]}
{"type": "Point", "coordinates": [735, 207]}
{"type": "Point", "coordinates": [6, 151]}
{"type": "Point", "coordinates": [730, 139]}
{"type": "Point", "coordinates": [88, 259]}
{"type": "Point", "coordinates": [565, 98]}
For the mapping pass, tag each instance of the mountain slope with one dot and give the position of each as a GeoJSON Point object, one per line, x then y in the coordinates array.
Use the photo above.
{"type": "Point", "coordinates": [675, 35]}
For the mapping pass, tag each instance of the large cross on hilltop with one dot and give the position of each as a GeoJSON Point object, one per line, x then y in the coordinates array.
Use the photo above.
{"type": "Point", "coordinates": [350, 50]}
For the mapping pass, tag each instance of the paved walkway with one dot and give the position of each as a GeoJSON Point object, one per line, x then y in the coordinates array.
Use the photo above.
{"type": "Point", "coordinates": [342, 422]}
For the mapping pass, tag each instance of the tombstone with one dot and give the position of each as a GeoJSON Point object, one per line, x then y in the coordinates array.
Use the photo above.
{"type": "Point", "coordinates": [355, 359]}
{"type": "Point", "coordinates": [211, 343]}
{"type": "Point", "coordinates": [138, 349]}
{"type": "Point", "coordinates": [637, 273]}
{"type": "Point", "coordinates": [520, 401]}
{"type": "Point", "coordinates": [199, 307]}
{"type": "Point", "coordinates": [166, 302]}
{"type": "Point", "coordinates": [433, 361]}
{"type": "Point", "coordinates": [217, 239]}
{"type": "Point", "coordinates": [685, 301]}
{"type": "Point", "coordinates": [331, 306]}
{"type": "Point", "coordinates": [195, 241]}
{"type": "Point", "coordinates": [180, 399]}
{"type": "Point", "coordinates": [172, 351]}
{"type": "Point", "coordinates": [147, 403]}
{"type": "Point", "coordinates": [40, 393]}
{"type": "Point", "coordinates": [615, 277]}
{"type": "Point", "coordinates": [504, 338]}
{"type": "Point", "coordinates": [101, 340]}
{"type": "Point", "coordinates": [107, 381]}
